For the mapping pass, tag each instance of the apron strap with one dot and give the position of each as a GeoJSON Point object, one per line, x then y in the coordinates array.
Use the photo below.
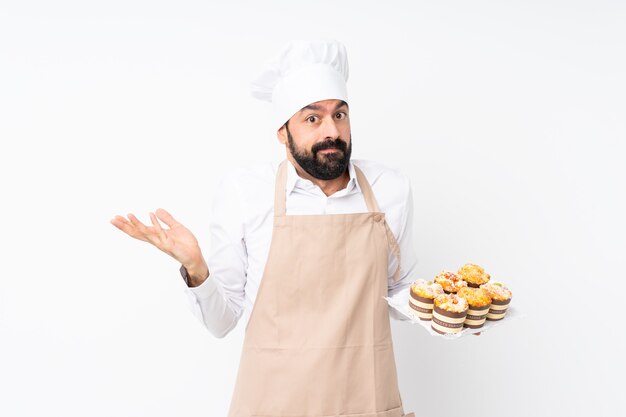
{"type": "Point", "coordinates": [280, 192]}
{"type": "Point", "coordinates": [370, 200]}
{"type": "Point", "coordinates": [395, 248]}
{"type": "Point", "coordinates": [372, 205]}
{"type": "Point", "coordinates": [281, 182]}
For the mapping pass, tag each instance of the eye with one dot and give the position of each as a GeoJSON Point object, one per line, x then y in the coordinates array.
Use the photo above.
{"type": "Point", "coordinates": [341, 115]}
{"type": "Point", "coordinates": [311, 119]}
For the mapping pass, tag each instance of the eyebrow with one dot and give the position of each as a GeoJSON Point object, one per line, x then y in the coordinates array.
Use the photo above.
{"type": "Point", "coordinates": [317, 107]}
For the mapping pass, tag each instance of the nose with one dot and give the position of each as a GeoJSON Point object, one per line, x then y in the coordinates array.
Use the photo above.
{"type": "Point", "coordinates": [330, 129]}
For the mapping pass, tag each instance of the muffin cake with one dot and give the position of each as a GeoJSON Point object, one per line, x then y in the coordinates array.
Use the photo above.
{"type": "Point", "coordinates": [500, 299]}
{"type": "Point", "coordinates": [450, 282]}
{"type": "Point", "coordinates": [474, 275]}
{"type": "Point", "coordinates": [421, 298]}
{"type": "Point", "coordinates": [479, 302]}
{"type": "Point", "coordinates": [449, 313]}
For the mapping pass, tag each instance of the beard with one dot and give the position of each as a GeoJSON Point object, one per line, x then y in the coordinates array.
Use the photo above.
{"type": "Point", "coordinates": [324, 166]}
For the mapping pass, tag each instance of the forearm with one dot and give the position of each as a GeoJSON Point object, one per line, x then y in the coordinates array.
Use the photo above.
{"type": "Point", "coordinates": [209, 306]}
{"type": "Point", "coordinates": [207, 301]}
{"type": "Point", "coordinates": [217, 317]}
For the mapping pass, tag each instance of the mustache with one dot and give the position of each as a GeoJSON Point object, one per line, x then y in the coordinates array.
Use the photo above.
{"type": "Point", "coordinates": [338, 143]}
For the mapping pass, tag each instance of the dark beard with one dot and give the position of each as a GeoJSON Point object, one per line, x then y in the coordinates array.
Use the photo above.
{"type": "Point", "coordinates": [328, 166]}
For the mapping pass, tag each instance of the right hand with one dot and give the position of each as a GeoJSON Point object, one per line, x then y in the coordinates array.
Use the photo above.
{"type": "Point", "coordinates": [177, 241]}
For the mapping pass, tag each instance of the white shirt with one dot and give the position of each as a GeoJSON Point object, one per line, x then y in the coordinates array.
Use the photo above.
{"type": "Point", "coordinates": [241, 222]}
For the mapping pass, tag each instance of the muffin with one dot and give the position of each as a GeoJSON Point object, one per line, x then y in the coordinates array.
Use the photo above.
{"type": "Point", "coordinates": [500, 300]}
{"type": "Point", "coordinates": [479, 301]}
{"type": "Point", "coordinates": [450, 282]}
{"type": "Point", "coordinates": [449, 313]}
{"type": "Point", "coordinates": [474, 275]}
{"type": "Point", "coordinates": [421, 298]}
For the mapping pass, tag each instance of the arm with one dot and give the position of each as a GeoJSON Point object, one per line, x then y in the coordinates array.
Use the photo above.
{"type": "Point", "coordinates": [217, 301]}
{"type": "Point", "coordinates": [408, 268]}
{"type": "Point", "coordinates": [207, 304]}
{"type": "Point", "coordinates": [404, 237]}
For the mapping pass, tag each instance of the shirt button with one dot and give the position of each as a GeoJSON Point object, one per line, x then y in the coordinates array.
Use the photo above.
{"type": "Point", "coordinates": [378, 217]}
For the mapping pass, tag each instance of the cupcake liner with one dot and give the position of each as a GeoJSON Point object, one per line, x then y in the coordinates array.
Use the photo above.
{"type": "Point", "coordinates": [421, 307]}
{"type": "Point", "coordinates": [447, 321]}
{"type": "Point", "coordinates": [400, 303]}
{"type": "Point", "coordinates": [498, 309]}
{"type": "Point", "coordinates": [476, 317]}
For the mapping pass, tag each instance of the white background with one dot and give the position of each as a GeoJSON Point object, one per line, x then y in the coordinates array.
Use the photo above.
{"type": "Point", "coordinates": [507, 116]}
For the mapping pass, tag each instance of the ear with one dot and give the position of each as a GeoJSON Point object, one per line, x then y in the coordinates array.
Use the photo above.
{"type": "Point", "coordinates": [281, 135]}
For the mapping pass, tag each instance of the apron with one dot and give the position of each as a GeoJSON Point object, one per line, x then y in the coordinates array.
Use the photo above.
{"type": "Point", "coordinates": [318, 341]}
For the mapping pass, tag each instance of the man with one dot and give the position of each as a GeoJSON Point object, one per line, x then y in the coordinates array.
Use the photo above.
{"type": "Point", "coordinates": [307, 249]}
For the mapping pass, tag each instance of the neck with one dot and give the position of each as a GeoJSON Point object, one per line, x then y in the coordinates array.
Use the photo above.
{"type": "Point", "coordinates": [328, 187]}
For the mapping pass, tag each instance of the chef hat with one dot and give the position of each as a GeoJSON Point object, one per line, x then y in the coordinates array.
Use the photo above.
{"type": "Point", "coordinates": [303, 73]}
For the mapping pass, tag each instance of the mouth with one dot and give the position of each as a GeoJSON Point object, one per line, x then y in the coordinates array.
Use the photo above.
{"type": "Point", "coordinates": [329, 150]}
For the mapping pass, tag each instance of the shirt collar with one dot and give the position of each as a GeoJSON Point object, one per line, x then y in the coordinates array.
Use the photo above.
{"type": "Point", "coordinates": [296, 181]}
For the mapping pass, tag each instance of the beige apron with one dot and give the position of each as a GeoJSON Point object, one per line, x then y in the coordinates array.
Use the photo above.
{"type": "Point", "coordinates": [318, 341]}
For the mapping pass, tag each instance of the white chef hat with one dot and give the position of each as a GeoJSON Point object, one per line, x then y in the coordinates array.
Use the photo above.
{"type": "Point", "coordinates": [303, 73]}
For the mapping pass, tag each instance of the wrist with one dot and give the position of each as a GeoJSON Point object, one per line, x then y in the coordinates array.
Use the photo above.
{"type": "Point", "coordinates": [195, 275]}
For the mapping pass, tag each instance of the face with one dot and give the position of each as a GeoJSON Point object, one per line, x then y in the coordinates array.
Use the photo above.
{"type": "Point", "coordinates": [319, 139]}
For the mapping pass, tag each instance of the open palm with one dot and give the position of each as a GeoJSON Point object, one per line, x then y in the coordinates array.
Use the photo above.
{"type": "Point", "coordinates": [177, 241]}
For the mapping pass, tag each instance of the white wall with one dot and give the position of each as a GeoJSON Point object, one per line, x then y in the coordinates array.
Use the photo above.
{"type": "Point", "coordinates": [507, 116]}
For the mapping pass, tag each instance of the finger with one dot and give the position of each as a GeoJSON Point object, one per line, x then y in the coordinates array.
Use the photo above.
{"type": "Point", "coordinates": [157, 227]}
{"type": "Point", "coordinates": [166, 217]}
{"type": "Point", "coordinates": [122, 224]}
{"type": "Point", "coordinates": [142, 229]}
{"type": "Point", "coordinates": [119, 220]}
{"type": "Point", "coordinates": [135, 221]}
{"type": "Point", "coordinates": [128, 228]}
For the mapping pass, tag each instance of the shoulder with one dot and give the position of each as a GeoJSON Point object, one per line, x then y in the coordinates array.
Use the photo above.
{"type": "Point", "coordinates": [383, 177]}
{"type": "Point", "coordinates": [391, 188]}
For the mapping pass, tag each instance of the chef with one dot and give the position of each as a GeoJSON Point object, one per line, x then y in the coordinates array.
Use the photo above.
{"type": "Point", "coordinates": [305, 250]}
